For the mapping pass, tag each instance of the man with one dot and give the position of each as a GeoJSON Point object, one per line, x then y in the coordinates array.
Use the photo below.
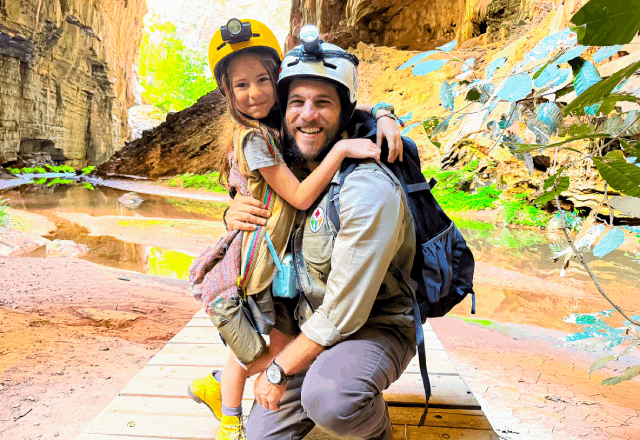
{"type": "Point", "coordinates": [357, 331]}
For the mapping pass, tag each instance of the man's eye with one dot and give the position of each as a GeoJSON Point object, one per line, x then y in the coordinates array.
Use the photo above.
{"type": "Point", "coordinates": [296, 103]}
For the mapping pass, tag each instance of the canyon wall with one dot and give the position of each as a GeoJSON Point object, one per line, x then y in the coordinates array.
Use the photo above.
{"type": "Point", "coordinates": [67, 77]}
{"type": "Point", "coordinates": [409, 24]}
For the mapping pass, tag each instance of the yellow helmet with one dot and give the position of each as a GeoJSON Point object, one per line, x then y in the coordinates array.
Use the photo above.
{"type": "Point", "coordinates": [237, 36]}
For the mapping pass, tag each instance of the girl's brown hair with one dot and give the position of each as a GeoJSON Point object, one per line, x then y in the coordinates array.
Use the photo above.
{"type": "Point", "coordinates": [272, 67]}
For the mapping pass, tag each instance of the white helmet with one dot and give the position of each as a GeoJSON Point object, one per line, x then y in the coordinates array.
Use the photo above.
{"type": "Point", "coordinates": [317, 59]}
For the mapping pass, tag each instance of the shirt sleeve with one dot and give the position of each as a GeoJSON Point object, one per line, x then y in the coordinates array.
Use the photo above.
{"type": "Point", "coordinates": [257, 153]}
{"type": "Point", "coordinates": [372, 230]}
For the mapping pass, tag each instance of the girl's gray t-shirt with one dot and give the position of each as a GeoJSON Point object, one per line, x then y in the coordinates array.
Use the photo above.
{"type": "Point", "coordinates": [257, 153]}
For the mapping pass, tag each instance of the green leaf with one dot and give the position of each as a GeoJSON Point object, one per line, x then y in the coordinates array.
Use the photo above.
{"type": "Point", "coordinates": [601, 363]}
{"type": "Point", "coordinates": [608, 22]}
{"type": "Point", "coordinates": [627, 205]}
{"type": "Point", "coordinates": [628, 374]}
{"type": "Point", "coordinates": [601, 89]}
{"type": "Point", "coordinates": [473, 95]}
{"type": "Point", "coordinates": [544, 198]}
{"type": "Point", "coordinates": [551, 180]}
{"type": "Point", "coordinates": [619, 174]}
{"type": "Point", "coordinates": [524, 148]}
{"type": "Point", "coordinates": [609, 243]}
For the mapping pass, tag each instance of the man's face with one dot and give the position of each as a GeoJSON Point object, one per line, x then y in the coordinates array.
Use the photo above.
{"type": "Point", "coordinates": [312, 118]}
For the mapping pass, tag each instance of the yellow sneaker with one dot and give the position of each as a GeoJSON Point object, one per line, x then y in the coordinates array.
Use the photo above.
{"type": "Point", "coordinates": [231, 428]}
{"type": "Point", "coordinates": [207, 390]}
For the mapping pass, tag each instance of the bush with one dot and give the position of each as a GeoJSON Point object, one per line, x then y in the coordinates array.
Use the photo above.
{"type": "Point", "coordinates": [60, 169]}
{"type": "Point", "coordinates": [453, 199]}
{"type": "Point", "coordinates": [4, 215]}
{"type": "Point", "coordinates": [518, 212]}
{"type": "Point", "coordinates": [208, 181]}
{"type": "Point", "coordinates": [87, 170]}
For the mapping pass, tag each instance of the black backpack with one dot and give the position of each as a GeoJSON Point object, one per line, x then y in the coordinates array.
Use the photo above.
{"type": "Point", "coordinates": [442, 271]}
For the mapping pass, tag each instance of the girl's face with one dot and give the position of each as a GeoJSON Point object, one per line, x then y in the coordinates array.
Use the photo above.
{"type": "Point", "coordinates": [252, 88]}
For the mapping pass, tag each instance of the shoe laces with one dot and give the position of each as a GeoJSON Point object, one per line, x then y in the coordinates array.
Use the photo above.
{"type": "Point", "coordinates": [240, 426]}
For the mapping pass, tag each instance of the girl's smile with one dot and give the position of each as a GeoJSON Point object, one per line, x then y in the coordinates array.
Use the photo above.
{"type": "Point", "coordinates": [252, 88]}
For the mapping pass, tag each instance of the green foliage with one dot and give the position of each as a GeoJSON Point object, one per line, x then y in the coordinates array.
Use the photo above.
{"type": "Point", "coordinates": [87, 170]}
{"type": "Point", "coordinates": [4, 215]}
{"type": "Point", "coordinates": [518, 212]}
{"type": "Point", "coordinates": [174, 77]}
{"type": "Point", "coordinates": [59, 181]}
{"type": "Point", "coordinates": [208, 181]}
{"type": "Point", "coordinates": [517, 240]}
{"type": "Point", "coordinates": [572, 219]}
{"type": "Point", "coordinates": [60, 169]}
{"type": "Point", "coordinates": [88, 186]}
{"type": "Point", "coordinates": [452, 199]}
{"type": "Point", "coordinates": [40, 181]}
{"type": "Point", "coordinates": [429, 126]}
{"type": "Point", "coordinates": [14, 170]}
{"type": "Point", "coordinates": [209, 209]}
{"type": "Point", "coordinates": [607, 22]}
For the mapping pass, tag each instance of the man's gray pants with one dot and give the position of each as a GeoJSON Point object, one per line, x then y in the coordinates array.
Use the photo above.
{"type": "Point", "coordinates": [341, 392]}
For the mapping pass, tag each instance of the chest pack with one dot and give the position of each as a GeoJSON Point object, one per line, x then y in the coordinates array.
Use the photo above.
{"type": "Point", "coordinates": [442, 270]}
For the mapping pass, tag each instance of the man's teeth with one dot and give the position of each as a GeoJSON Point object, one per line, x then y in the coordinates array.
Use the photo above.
{"type": "Point", "coordinates": [310, 130]}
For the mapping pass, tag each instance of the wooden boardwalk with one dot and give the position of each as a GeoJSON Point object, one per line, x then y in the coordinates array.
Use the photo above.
{"type": "Point", "coordinates": [155, 405]}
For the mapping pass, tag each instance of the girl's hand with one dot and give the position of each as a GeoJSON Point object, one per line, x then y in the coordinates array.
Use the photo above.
{"type": "Point", "coordinates": [245, 213]}
{"type": "Point", "coordinates": [388, 129]}
{"type": "Point", "coordinates": [360, 149]}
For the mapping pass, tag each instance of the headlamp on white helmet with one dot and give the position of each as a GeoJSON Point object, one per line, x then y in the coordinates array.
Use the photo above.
{"type": "Point", "coordinates": [317, 59]}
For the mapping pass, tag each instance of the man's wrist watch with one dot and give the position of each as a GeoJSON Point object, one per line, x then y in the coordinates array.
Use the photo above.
{"type": "Point", "coordinates": [275, 374]}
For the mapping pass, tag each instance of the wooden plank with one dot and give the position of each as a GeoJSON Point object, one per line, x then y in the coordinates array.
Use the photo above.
{"type": "Point", "coordinates": [209, 335]}
{"type": "Point", "coordinates": [443, 418]}
{"type": "Point", "coordinates": [446, 390]}
{"type": "Point", "coordinates": [203, 354]}
{"type": "Point", "coordinates": [411, 416]}
{"type": "Point", "coordinates": [424, 433]}
{"type": "Point", "coordinates": [95, 436]}
{"type": "Point", "coordinates": [181, 426]}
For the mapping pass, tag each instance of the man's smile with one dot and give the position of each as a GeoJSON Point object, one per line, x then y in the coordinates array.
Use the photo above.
{"type": "Point", "coordinates": [310, 130]}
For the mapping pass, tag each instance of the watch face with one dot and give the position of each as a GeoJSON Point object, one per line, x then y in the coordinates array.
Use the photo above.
{"type": "Point", "coordinates": [273, 375]}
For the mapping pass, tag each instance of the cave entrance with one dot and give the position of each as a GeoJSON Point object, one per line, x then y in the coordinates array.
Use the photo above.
{"type": "Point", "coordinates": [31, 146]}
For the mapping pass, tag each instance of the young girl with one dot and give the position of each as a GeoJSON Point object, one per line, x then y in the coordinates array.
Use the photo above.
{"type": "Point", "coordinates": [245, 59]}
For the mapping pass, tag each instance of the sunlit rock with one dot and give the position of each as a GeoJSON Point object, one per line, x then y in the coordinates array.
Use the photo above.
{"type": "Point", "coordinates": [66, 248]}
{"type": "Point", "coordinates": [130, 200]}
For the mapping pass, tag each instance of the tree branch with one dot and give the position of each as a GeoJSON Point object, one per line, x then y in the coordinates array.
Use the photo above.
{"type": "Point", "coordinates": [580, 257]}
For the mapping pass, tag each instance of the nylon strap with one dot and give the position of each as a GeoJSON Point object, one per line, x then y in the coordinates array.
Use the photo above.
{"type": "Point", "coordinates": [274, 254]}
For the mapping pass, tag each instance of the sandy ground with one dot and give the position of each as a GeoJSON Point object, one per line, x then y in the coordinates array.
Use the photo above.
{"type": "Point", "coordinates": [72, 334]}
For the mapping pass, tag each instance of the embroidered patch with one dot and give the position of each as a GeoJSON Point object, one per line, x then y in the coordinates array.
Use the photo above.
{"type": "Point", "coordinates": [317, 219]}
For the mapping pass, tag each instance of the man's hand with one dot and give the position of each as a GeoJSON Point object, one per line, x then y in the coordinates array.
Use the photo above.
{"type": "Point", "coordinates": [267, 394]}
{"type": "Point", "coordinates": [388, 129]}
{"type": "Point", "coordinates": [245, 213]}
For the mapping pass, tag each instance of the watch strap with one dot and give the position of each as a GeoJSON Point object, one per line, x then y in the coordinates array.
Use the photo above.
{"type": "Point", "coordinates": [284, 376]}
{"type": "Point", "coordinates": [384, 106]}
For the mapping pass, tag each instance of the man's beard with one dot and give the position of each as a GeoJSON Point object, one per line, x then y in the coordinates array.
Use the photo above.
{"type": "Point", "coordinates": [292, 152]}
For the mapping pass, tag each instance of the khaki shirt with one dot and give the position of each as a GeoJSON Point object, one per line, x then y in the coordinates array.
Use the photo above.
{"type": "Point", "coordinates": [352, 281]}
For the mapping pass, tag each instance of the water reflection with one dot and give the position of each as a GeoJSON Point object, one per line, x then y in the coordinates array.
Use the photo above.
{"type": "Point", "coordinates": [517, 282]}
{"type": "Point", "coordinates": [111, 252]}
{"type": "Point", "coordinates": [100, 201]}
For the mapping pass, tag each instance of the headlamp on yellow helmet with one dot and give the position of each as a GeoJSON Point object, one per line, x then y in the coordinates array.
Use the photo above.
{"type": "Point", "coordinates": [240, 36]}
